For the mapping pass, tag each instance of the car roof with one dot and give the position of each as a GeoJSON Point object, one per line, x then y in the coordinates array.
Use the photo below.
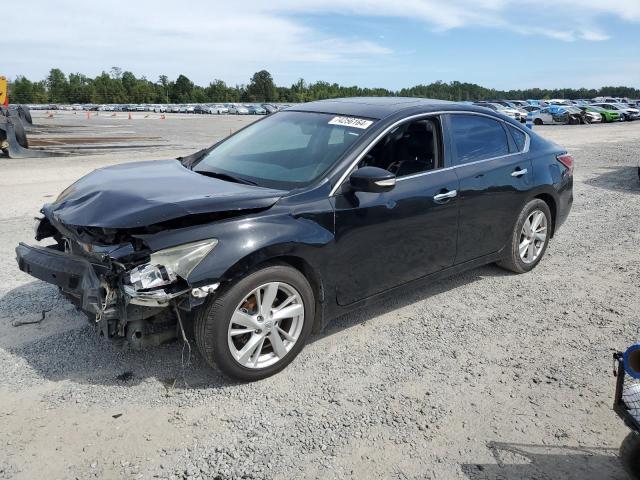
{"type": "Point", "coordinates": [375, 107]}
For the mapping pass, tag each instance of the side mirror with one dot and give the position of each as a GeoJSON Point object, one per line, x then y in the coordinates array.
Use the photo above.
{"type": "Point", "coordinates": [372, 179]}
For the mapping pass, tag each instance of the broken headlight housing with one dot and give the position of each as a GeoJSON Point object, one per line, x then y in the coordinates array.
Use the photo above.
{"type": "Point", "coordinates": [165, 266]}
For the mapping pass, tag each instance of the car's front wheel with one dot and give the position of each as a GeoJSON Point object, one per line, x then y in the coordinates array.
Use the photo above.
{"type": "Point", "coordinates": [630, 454]}
{"type": "Point", "coordinates": [530, 237]}
{"type": "Point", "coordinates": [256, 326]}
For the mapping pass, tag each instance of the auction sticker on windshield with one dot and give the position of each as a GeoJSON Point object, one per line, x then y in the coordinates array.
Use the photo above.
{"type": "Point", "coordinates": [351, 122]}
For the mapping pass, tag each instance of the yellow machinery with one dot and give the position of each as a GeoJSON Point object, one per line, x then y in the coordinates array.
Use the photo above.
{"type": "Point", "coordinates": [4, 94]}
{"type": "Point", "coordinates": [13, 136]}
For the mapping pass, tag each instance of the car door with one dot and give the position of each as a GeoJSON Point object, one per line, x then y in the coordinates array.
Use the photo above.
{"type": "Point", "coordinates": [386, 239]}
{"type": "Point", "coordinates": [495, 175]}
{"type": "Point", "coordinates": [545, 116]}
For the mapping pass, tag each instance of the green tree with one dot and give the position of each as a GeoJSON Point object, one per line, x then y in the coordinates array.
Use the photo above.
{"type": "Point", "coordinates": [261, 88]}
{"type": "Point", "coordinates": [107, 89]}
{"type": "Point", "coordinates": [117, 86]}
{"type": "Point", "coordinates": [57, 86]}
{"type": "Point", "coordinates": [180, 91]}
{"type": "Point", "coordinates": [129, 83]}
{"type": "Point", "coordinates": [163, 83]}
{"type": "Point", "coordinates": [21, 90]}
{"type": "Point", "coordinates": [80, 88]}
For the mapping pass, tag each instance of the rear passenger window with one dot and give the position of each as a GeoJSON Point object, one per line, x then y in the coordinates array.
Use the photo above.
{"type": "Point", "coordinates": [519, 137]}
{"type": "Point", "coordinates": [476, 138]}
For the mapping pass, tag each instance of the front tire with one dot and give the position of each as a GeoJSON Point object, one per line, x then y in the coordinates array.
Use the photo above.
{"type": "Point", "coordinates": [630, 454]}
{"type": "Point", "coordinates": [530, 237]}
{"type": "Point", "coordinates": [256, 326]}
{"type": "Point", "coordinates": [537, 121]}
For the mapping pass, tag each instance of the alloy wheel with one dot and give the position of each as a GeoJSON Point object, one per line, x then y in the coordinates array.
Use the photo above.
{"type": "Point", "coordinates": [533, 236]}
{"type": "Point", "coordinates": [266, 325]}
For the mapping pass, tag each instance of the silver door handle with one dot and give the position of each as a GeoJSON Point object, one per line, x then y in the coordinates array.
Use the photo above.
{"type": "Point", "coordinates": [519, 173]}
{"type": "Point", "coordinates": [445, 196]}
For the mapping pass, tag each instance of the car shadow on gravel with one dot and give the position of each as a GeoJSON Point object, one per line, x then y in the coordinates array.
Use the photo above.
{"type": "Point", "coordinates": [542, 462]}
{"type": "Point", "coordinates": [408, 295]}
{"type": "Point", "coordinates": [621, 179]}
{"type": "Point", "coordinates": [81, 355]}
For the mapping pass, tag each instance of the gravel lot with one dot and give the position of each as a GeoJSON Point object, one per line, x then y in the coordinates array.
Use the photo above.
{"type": "Point", "coordinates": [486, 375]}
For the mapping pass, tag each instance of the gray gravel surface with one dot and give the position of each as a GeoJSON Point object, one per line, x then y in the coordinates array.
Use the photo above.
{"type": "Point", "coordinates": [485, 375]}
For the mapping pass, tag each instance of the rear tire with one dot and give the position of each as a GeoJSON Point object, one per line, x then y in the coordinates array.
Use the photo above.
{"type": "Point", "coordinates": [534, 246]}
{"type": "Point", "coordinates": [25, 114]}
{"type": "Point", "coordinates": [21, 135]}
{"type": "Point", "coordinates": [214, 320]}
{"type": "Point", "coordinates": [630, 455]}
{"type": "Point", "coordinates": [3, 147]}
{"type": "Point", "coordinates": [537, 121]}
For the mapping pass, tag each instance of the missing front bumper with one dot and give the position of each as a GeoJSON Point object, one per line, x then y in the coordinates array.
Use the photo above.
{"type": "Point", "coordinates": [116, 310]}
{"type": "Point", "coordinates": [74, 275]}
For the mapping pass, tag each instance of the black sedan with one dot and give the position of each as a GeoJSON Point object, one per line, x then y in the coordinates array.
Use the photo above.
{"type": "Point", "coordinates": [310, 212]}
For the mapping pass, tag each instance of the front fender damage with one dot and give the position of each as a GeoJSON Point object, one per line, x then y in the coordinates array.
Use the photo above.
{"type": "Point", "coordinates": [91, 268]}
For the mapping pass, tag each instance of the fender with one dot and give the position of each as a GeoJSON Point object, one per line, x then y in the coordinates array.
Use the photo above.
{"type": "Point", "coordinates": [244, 242]}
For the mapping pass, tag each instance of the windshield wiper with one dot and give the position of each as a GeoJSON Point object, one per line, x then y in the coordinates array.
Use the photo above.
{"type": "Point", "coordinates": [225, 176]}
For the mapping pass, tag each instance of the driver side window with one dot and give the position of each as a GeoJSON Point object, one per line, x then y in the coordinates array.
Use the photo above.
{"type": "Point", "coordinates": [408, 149]}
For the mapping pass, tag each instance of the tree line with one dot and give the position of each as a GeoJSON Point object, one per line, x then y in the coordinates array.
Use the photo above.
{"type": "Point", "coordinates": [117, 86]}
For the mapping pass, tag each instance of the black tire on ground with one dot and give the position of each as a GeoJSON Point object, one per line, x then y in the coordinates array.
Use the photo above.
{"type": "Point", "coordinates": [512, 260]}
{"type": "Point", "coordinates": [21, 135]}
{"type": "Point", "coordinates": [630, 455]}
{"type": "Point", "coordinates": [537, 121]}
{"type": "Point", "coordinates": [212, 321]}
{"type": "Point", "coordinates": [25, 114]}
{"type": "Point", "coordinates": [3, 137]}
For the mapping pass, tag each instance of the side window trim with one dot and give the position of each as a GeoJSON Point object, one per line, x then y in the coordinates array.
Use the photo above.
{"type": "Point", "coordinates": [511, 129]}
{"type": "Point", "coordinates": [439, 146]}
{"type": "Point", "coordinates": [510, 141]}
{"type": "Point", "coordinates": [447, 145]}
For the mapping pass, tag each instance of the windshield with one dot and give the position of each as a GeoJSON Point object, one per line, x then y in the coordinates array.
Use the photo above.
{"type": "Point", "coordinates": [286, 150]}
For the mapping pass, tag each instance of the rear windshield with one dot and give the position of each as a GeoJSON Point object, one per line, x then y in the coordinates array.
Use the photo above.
{"type": "Point", "coordinates": [286, 150]}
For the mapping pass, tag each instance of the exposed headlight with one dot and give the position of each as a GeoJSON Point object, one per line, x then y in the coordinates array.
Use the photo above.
{"type": "Point", "coordinates": [165, 266]}
{"type": "Point", "coordinates": [151, 276]}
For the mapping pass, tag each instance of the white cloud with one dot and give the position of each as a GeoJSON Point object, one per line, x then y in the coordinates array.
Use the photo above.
{"type": "Point", "coordinates": [230, 40]}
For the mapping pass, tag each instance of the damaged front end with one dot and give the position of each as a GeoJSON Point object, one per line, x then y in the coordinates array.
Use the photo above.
{"type": "Point", "coordinates": [124, 288]}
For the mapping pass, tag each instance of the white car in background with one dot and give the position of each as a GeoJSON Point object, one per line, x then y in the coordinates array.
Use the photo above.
{"type": "Point", "coordinates": [218, 109]}
{"type": "Point", "coordinates": [544, 116]}
{"type": "Point", "coordinates": [593, 117]}
{"type": "Point", "coordinates": [509, 112]}
{"type": "Point", "coordinates": [518, 103]}
{"type": "Point", "coordinates": [238, 110]}
{"type": "Point", "coordinates": [560, 101]}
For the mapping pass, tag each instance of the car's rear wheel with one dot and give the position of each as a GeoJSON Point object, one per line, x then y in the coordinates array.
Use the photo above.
{"type": "Point", "coordinates": [255, 327]}
{"type": "Point", "coordinates": [537, 121]}
{"type": "Point", "coordinates": [530, 237]}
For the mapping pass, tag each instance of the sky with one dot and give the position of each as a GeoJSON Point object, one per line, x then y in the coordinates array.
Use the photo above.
{"type": "Point", "coordinates": [501, 44]}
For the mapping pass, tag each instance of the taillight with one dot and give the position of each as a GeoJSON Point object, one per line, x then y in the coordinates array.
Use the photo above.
{"type": "Point", "coordinates": [566, 160]}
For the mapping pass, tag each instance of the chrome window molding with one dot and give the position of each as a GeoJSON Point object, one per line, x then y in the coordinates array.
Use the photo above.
{"type": "Point", "coordinates": [361, 155]}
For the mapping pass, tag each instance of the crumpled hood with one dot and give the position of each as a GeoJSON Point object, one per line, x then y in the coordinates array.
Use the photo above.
{"type": "Point", "coordinates": [140, 194]}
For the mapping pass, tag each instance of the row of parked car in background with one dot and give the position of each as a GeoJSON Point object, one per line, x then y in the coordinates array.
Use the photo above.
{"type": "Point", "coordinates": [200, 108]}
{"type": "Point", "coordinates": [562, 111]}
{"type": "Point", "coordinates": [541, 112]}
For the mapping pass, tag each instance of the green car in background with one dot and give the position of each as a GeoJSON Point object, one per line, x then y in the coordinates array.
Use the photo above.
{"type": "Point", "coordinates": [607, 115]}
